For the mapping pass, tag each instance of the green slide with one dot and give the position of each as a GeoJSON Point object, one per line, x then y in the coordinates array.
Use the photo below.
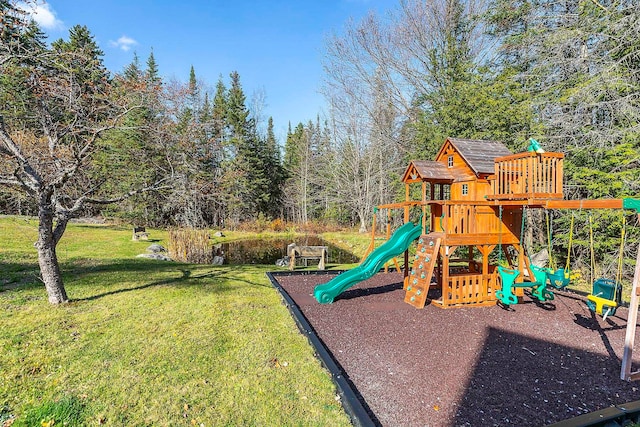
{"type": "Point", "coordinates": [398, 243]}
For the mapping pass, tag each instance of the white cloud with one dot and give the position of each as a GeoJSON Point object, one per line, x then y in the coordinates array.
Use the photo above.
{"type": "Point", "coordinates": [125, 43]}
{"type": "Point", "coordinates": [44, 15]}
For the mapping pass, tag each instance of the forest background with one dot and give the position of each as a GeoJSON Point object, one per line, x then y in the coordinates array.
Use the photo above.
{"type": "Point", "coordinates": [157, 152]}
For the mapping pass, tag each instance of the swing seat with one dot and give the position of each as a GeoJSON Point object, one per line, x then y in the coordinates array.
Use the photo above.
{"type": "Point", "coordinates": [605, 297]}
{"type": "Point", "coordinates": [600, 305]}
{"type": "Point", "coordinates": [559, 278]}
{"type": "Point", "coordinates": [540, 290]}
{"type": "Point", "coordinates": [508, 278]}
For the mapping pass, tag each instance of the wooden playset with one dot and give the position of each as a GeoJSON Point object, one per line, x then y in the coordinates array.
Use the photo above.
{"type": "Point", "coordinates": [475, 195]}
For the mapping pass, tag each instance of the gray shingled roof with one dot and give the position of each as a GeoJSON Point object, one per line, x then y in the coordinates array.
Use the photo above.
{"type": "Point", "coordinates": [480, 154]}
{"type": "Point", "coordinates": [434, 170]}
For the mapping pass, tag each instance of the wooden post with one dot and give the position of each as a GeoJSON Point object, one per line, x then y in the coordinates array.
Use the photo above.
{"type": "Point", "coordinates": [323, 254]}
{"type": "Point", "coordinates": [406, 199]}
{"type": "Point", "coordinates": [424, 207]}
{"type": "Point", "coordinates": [632, 319]}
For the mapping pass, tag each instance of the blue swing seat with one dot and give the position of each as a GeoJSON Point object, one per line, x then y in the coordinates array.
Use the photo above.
{"type": "Point", "coordinates": [559, 278]}
{"type": "Point", "coordinates": [606, 297]}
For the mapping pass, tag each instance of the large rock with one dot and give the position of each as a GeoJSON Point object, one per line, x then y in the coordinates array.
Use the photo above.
{"type": "Point", "coordinates": [159, 257]}
{"type": "Point", "coordinates": [217, 260]}
{"type": "Point", "coordinates": [156, 249]}
{"type": "Point", "coordinates": [283, 262]}
{"type": "Point", "coordinates": [540, 259]}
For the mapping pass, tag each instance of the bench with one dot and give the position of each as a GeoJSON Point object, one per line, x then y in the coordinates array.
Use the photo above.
{"type": "Point", "coordinates": [140, 233]}
{"type": "Point", "coordinates": [306, 253]}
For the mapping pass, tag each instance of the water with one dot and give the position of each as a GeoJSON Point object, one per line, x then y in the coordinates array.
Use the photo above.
{"type": "Point", "coordinates": [268, 251]}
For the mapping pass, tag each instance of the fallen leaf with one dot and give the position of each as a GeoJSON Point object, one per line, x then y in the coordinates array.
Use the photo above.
{"type": "Point", "coordinates": [436, 407]}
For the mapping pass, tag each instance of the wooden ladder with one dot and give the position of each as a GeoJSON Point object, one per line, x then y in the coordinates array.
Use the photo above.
{"type": "Point", "coordinates": [422, 271]}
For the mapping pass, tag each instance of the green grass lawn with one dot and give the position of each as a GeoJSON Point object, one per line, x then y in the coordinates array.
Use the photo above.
{"type": "Point", "coordinates": [149, 343]}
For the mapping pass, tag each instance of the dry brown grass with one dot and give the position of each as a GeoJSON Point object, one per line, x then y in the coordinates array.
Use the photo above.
{"type": "Point", "coordinates": [190, 245]}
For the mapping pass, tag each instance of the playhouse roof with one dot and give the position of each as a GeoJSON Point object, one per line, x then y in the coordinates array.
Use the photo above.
{"type": "Point", "coordinates": [426, 170]}
{"type": "Point", "coordinates": [479, 154]}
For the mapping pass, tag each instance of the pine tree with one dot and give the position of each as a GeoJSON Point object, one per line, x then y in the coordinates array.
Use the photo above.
{"type": "Point", "coordinates": [152, 75]}
{"type": "Point", "coordinates": [274, 172]}
{"type": "Point", "coordinates": [85, 57]}
{"type": "Point", "coordinates": [132, 72]}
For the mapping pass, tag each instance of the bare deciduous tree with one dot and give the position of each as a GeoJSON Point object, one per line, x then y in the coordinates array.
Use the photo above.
{"type": "Point", "coordinates": [57, 104]}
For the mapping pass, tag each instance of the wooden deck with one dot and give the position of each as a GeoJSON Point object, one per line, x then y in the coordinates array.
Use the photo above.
{"type": "Point", "coordinates": [528, 175]}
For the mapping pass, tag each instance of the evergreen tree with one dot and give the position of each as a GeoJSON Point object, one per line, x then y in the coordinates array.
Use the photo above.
{"type": "Point", "coordinates": [272, 164]}
{"type": "Point", "coordinates": [132, 72]}
{"type": "Point", "coordinates": [152, 75]}
{"type": "Point", "coordinates": [85, 58]}
{"type": "Point", "coordinates": [134, 155]}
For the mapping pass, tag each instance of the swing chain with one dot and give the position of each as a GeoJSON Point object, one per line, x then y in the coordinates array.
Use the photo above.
{"type": "Point", "coordinates": [500, 236]}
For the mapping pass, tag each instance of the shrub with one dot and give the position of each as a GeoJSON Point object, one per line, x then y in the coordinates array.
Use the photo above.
{"type": "Point", "coordinates": [190, 245]}
{"type": "Point", "coordinates": [277, 225]}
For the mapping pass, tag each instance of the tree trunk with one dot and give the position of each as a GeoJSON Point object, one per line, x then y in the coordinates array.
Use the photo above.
{"type": "Point", "coordinates": [47, 258]}
{"type": "Point", "coordinates": [363, 224]}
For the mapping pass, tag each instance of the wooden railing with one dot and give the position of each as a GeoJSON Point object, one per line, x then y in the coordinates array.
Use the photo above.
{"type": "Point", "coordinates": [459, 218]}
{"type": "Point", "coordinates": [528, 175]}
{"type": "Point", "coordinates": [469, 289]}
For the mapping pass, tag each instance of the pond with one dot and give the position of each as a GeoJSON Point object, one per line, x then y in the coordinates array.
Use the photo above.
{"type": "Point", "coordinates": [268, 251]}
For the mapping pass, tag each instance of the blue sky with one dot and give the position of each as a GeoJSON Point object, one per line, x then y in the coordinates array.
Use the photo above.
{"type": "Point", "coordinates": [275, 45]}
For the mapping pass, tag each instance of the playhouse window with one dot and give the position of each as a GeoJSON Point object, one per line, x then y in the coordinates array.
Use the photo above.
{"type": "Point", "coordinates": [450, 161]}
{"type": "Point", "coordinates": [465, 189]}
{"type": "Point", "coordinates": [446, 192]}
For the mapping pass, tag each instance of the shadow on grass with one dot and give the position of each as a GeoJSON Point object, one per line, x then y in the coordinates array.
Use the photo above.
{"type": "Point", "coordinates": [19, 275]}
{"type": "Point", "coordinates": [187, 276]}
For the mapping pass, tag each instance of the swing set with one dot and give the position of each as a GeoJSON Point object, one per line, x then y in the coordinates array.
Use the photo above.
{"type": "Point", "coordinates": [558, 278]}
{"type": "Point", "coordinates": [510, 275]}
{"type": "Point", "coordinates": [606, 293]}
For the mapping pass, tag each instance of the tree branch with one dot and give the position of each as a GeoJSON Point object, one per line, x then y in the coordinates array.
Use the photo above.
{"type": "Point", "coordinates": [11, 149]}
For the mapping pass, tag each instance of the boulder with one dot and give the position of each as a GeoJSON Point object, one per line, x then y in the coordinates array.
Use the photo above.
{"type": "Point", "coordinates": [283, 262]}
{"type": "Point", "coordinates": [217, 260]}
{"type": "Point", "coordinates": [540, 259]}
{"type": "Point", "coordinates": [159, 257]}
{"type": "Point", "coordinates": [156, 249]}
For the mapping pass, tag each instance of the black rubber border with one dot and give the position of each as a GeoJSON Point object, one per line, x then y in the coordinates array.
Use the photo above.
{"type": "Point", "coordinates": [352, 402]}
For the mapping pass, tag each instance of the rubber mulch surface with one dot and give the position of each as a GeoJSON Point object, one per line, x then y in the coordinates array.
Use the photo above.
{"type": "Point", "coordinates": [531, 365]}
